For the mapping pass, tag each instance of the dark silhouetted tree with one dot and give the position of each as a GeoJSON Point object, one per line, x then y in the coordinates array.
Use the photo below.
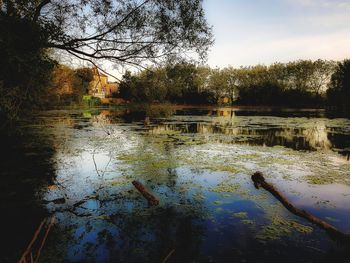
{"type": "Point", "coordinates": [339, 91]}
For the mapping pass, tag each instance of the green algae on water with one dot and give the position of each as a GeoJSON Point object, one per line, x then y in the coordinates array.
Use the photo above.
{"type": "Point", "coordinates": [280, 227]}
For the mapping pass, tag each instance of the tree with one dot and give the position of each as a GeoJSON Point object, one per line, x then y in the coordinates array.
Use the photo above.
{"type": "Point", "coordinates": [232, 78]}
{"type": "Point", "coordinates": [181, 81]}
{"type": "Point", "coordinates": [322, 74]}
{"type": "Point", "coordinates": [24, 66]}
{"type": "Point", "coordinates": [339, 91]}
{"type": "Point", "coordinates": [300, 73]}
{"type": "Point", "coordinates": [67, 85]}
{"type": "Point", "coordinates": [201, 78]}
{"type": "Point", "coordinates": [152, 85]}
{"type": "Point", "coordinates": [218, 83]}
{"type": "Point", "coordinates": [83, 77]}
{"type": "Point", "coordinates": [128, 86]}
{"type": "Point", "coordinates": [126, 32]}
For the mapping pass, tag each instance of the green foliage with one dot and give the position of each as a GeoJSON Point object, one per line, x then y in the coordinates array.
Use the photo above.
{"type": "Point", "coordinates": [82, 79]}
{"type": "Point", "coordinates": [180, 83]}
{"type": "Point", "coordinates": [128, 88]}
{"type": "Point", "coordinates": [85, 75]}
{"type": "Point", "coordinates": [298, 84]}
{"type": "Point", "coordinates": [91, 101]}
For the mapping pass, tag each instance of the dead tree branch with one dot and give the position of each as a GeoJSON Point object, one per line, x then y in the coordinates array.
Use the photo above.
{"type": "Point", "coordinates": [259, 181]}
{"type": "Point", "coordinates": [152, 200]}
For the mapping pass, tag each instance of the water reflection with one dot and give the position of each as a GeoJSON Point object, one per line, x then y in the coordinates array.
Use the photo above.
{"type": "Point", "coordinates": [299, 133]}
{"type": "Point", "coordinates": [198, 162]}
{"type": "Point", "coordinates": [114, 223]}
{"type": "Point", "coordinates": [27, 166]}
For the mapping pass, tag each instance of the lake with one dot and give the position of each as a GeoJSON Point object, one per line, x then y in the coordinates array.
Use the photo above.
{"type": "Point", "coordinates": [77, 167]}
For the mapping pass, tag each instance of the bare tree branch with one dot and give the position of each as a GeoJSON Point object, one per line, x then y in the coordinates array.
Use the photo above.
{"type": "Point", "coordinates": [39, 8]}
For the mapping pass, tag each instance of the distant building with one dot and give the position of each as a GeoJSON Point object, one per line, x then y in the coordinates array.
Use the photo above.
{"type": "Point", "coordinates": [100, 86]}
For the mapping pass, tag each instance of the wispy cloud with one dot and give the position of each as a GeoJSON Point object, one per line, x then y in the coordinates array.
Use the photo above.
{"type": "Point", "coordinates": [333, 46]}
{"type": "Point", "coordinates": [294, 29]}
{"type": "Point", "coordinates": [339, 4]}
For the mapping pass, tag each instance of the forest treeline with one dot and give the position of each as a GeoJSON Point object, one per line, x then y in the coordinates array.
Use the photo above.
{"type": "Point", "coordinates": [302, 83]}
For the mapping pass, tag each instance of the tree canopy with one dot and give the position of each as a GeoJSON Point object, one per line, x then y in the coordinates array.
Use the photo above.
{"type": "Point", "coordinates": [339, 88]}
{"type": "Point", "coordinates": [301, 83]}
{"type": "Point", "coordinates": [123, 32]}
{"type": "Point", "coordinates": [126, 32]}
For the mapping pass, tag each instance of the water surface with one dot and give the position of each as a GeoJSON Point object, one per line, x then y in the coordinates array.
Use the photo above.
{"type": "Point", "coordinates": [78, 165]}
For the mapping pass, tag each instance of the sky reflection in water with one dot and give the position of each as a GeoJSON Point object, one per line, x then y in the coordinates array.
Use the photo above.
{"type": "Point", "coordinates": [199, 163]}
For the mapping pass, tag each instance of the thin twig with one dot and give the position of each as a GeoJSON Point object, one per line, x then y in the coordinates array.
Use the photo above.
{"type": "Point", "coordinates": [168, 256]}
{"type": "Point", "coordinates": [52, 221]}
{"type": "Point", "coordinates": [93, 158]}
{"type": "Point", "coordinates": [36, 234]}
{"type": "Point", "coordinates": [29, 251]}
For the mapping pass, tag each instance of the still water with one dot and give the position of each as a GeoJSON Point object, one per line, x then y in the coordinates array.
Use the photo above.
{"type": "Point", "coordinates": [77, 167]}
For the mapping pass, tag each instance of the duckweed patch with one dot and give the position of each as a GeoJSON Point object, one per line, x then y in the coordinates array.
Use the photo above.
{"type": "Point", "coordinates": [200, 167]}
{"type": "Point", "coordinates": [247, 222]}
{"type": "Point", "coordinates": [118, 182]}
{"type": "Point", "coordinates": [329, 177]}
{"type": "Point", "coordinates": [241, 215]}
{"type": "Point", "coordinates": [226, 187]}
{"type": "Point", "coordinates": [221, 168]}
{"type": "Point", "coordinates": [280, 227]}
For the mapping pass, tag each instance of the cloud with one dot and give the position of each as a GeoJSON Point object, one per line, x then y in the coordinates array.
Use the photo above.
{"type": "Point", "coordinates": [282, 30]}
{"type": "Point", "coordinates": [338, 4]}
{"type": "Point", "coordinates": [332, 46]}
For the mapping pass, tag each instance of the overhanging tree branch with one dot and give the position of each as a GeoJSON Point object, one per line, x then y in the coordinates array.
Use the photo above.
{"type": "Point", "coordinates": [111, 28]}
{"type": "Point", "coordinates": [94, 64]}
{"type": "Point", "coordinates": [39, 8]}
{"type": "Point", "coordinates": [125, 32]}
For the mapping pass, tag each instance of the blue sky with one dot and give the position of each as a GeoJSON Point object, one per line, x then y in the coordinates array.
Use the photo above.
{"type": "Point", "coordinates": [249, 32]}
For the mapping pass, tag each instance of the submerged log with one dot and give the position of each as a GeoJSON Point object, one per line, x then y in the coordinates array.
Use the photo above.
{"type": "Point", "coordinates": [152, 200]}
{"type": "Point", "coordinates": [259, 181]}
{"type": "Point", "coordinates": [32, 253]}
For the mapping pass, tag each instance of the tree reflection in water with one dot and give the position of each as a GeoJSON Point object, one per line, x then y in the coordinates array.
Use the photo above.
{"type": "Point", "coordinates": [113, 221]}
{"type": "Point", "coordinates": [193, 161]}
{"type": "Point", "coordinates": [27, 166]}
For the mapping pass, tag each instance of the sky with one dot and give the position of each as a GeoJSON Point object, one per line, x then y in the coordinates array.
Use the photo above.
{"type": "Point", "coordinates": [249, 32]}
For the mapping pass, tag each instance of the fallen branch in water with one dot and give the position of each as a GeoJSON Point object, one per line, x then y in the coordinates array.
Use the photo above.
{"type": "Point", "coordinates": [52, 221]}
{"type": "Point", "coordinates": [152, 200]}
{"type": "Point", "coordinates": [259, 180]}
{"type": "Point", "coordinates": [168, 256]}
{"type": "Point", "coordinates": [29, 252]}
{"type": "Point", "coordinates": [29, 248]}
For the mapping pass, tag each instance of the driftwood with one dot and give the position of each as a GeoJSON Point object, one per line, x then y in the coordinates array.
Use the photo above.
{"type": "Point", "coordinates": [30, 255]}
{"type": "Point", "coordinates": [259, 181]}
{"type": "Point", "coordinates": [152, 200]}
